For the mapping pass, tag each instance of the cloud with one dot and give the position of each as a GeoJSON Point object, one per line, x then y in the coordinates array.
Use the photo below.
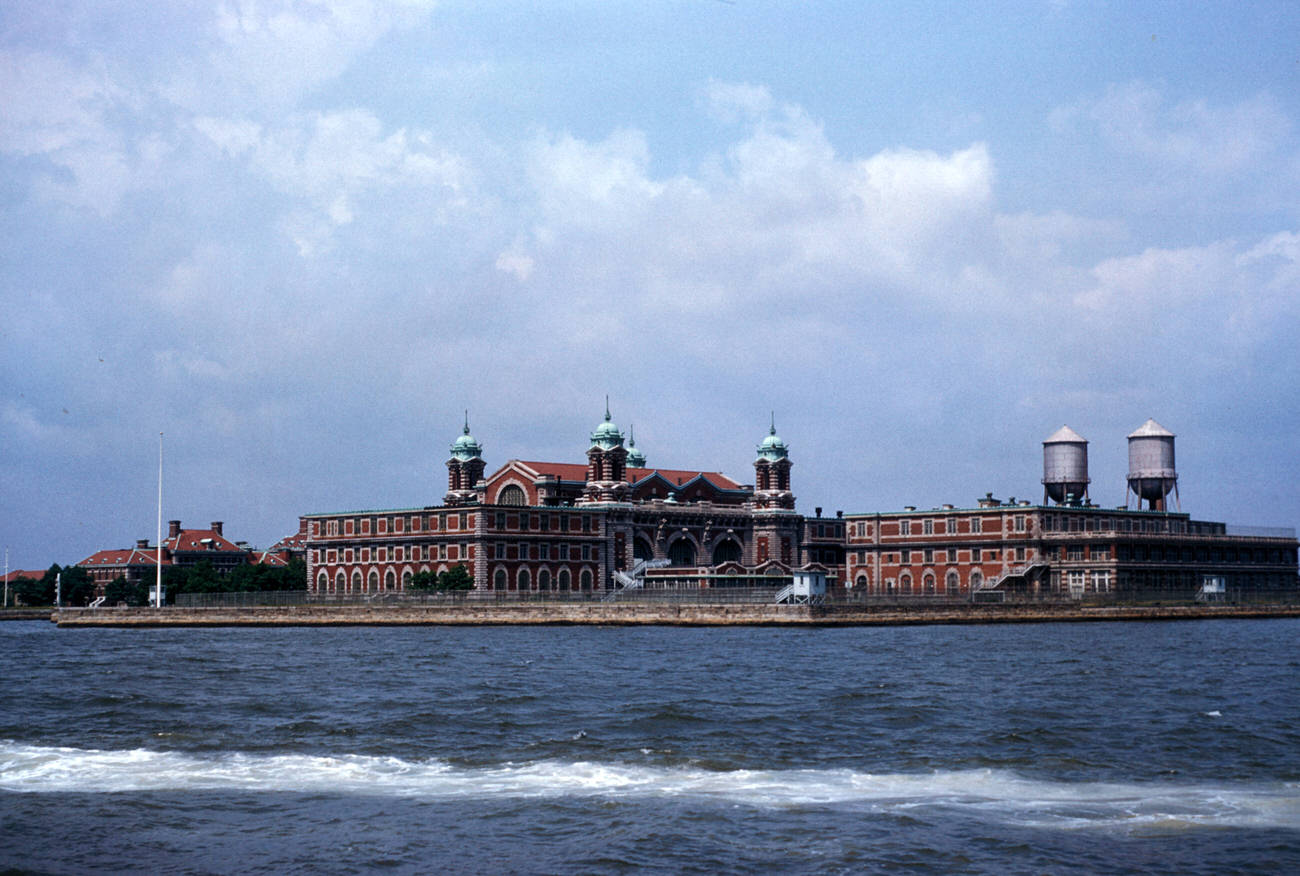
{"type": "Point", "coordinates": [56, 112]}
{"type": "Point", "coordinates": [332, 162]}
{"type": "Point", "coordinates": [1195, 133]}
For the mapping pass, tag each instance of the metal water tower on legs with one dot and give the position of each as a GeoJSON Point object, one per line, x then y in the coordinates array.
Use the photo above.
{"type": "Point", "coordinates": [1151, 472]}
{"type": "Point", "coordinates": [1065, 467]}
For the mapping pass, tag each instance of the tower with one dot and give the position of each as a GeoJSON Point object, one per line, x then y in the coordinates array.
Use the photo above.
{"type": "Point", "coordinates": [1151, 472]}
{"type": "Point", "coordinates": [464, 469]}
{"type": "Point", "coordinates": [606, 464]}
{"type": "Point", "coordinates": [635, 458]}
{"type": "Point", "coordinates": [1065, 467]}
{"type": "Point", "coordinates": [772, 472]}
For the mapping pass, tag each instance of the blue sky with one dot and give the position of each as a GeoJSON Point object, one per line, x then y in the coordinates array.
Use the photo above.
{"type": "Point", "coordinates": [302, 238]}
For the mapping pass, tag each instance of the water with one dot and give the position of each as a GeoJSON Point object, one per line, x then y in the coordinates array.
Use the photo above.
{"type": "Point", "coordinates": [1116, 748]}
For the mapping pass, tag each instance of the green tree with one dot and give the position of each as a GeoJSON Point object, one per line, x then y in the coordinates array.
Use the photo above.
{"type": "Point", "coordinates": [456, 578]}
{"type": "Point", "coordinates": [423, 581]}
{"type": "Point", "coordinates": [122, 590]}
{"type": "Point", "coordinates": [77, 587]}
{"type": "Point", "coordinates": [30, 591]}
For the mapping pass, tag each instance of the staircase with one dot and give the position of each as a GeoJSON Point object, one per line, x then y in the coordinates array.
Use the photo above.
{"type": "Point", "coordinates": [633, 579]}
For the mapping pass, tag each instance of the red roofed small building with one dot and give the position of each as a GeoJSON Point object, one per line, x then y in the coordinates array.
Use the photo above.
{"type": "Point", "coordinates": [182, 547]}
{"type": "Point", "coordinates": [557, 526]}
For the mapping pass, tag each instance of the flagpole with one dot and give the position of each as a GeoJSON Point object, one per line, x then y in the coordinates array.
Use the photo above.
{"type": "Point", "coordinates": [157, 593]}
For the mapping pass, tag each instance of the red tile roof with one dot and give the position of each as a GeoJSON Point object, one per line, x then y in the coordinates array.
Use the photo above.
{"type": "Point", "coordinates": [192, 540]}
{"type": "Point", "coordinates": [15, 574]}
{"type": "Point", "coordinates": [568, 471]}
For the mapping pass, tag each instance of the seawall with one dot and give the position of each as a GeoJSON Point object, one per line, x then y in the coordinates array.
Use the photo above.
{"type": "Point", "coordinates": [631, 614]}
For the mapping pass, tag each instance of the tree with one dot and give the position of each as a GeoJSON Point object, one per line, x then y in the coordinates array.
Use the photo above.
{"type": "Point", "coordinates": [30, 591]}
{"type": "Point", "coordinates": [77, 587]}
{"type": "Point", "coordinates": [456, 578]}
{"type": "Point", "coordinates": [423, 581]}
{"type": "Point", "coordinates": [130, 592]}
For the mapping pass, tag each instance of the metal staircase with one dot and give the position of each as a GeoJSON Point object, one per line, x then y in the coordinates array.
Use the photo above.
{"type": "Point", "coordinates": [633, 579]}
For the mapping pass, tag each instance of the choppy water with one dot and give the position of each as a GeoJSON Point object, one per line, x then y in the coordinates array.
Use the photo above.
{"type": "Point", "coordinates": [1045, 748]}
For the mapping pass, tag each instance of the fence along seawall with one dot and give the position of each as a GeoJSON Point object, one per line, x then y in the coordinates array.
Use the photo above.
{"type": "Point", "coordinates": [726, 610]}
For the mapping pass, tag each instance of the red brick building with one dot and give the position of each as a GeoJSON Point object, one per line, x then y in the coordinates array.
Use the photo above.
{"type": "Point", "coordinates": [556, 526]}
{"type": "Point", "coordinates": [181, 547]}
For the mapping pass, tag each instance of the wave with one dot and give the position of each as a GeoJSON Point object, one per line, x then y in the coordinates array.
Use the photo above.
{"type": "Point", "coordinates": [990, 794]}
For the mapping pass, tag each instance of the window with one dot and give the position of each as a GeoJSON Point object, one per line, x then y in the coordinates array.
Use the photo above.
{"type": "Point", "coordinates": [1100, 581]}
{"type": "Point", "coordinates": [976, 524]}
{"type": "Point", "coordinates": [951, 526]}
{"type": "Point", "coordinates": [905, 557]}
{"type": "Point", "coordinates": [564, 550]}
{"type": "Point", "coordinates": [1020, 522]}
{"type": "Point", "coordinates": [523, 550]}
{"type": "Point", "coordinates": [927, 526]}
{"type": "Point", "coordinates": [511, 494]}
{"type": "Point", "coordinates": [545, 551]}
{"type": "Point", "coordinates": [499, 580]}
{"type": "Point", "coordinates": [975, 555]}
{"type": "Point", "coordinates": [1020, 555]}
{"type": "Point", "coordinates": [904, 527]}
{"type": "Point", "coordinates": [929, 555]}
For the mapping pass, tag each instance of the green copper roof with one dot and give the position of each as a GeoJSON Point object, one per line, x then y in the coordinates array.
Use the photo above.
{"type": "Point", "coordinates": [773, 447]}
{"type": "Point", "coordinates": [465, 447]}
{"type": "Point", "coordinates": [607, 436]}
{"type": "Point", "coordinates": [635, 458]}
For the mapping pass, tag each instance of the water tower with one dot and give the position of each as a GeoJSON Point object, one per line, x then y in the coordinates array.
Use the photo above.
{"type": "Point", "coordinates": [1151, 472]}
{"type": "Point", "coordinates": [1065, 467]}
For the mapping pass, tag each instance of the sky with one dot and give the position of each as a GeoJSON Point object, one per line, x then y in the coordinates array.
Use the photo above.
{"type": "Point", "coordinates": [302, 239]}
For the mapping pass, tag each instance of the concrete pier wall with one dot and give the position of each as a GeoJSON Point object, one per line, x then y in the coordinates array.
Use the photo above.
{"type": "Point", "coordinates": [644, 614]}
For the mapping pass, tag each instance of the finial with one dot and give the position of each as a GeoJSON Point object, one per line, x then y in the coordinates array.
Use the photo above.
{"type": "Point", "coordinates": [773, 432]}
{"type": "Point", "coordinates": [631, 435]}
{"type": "Point", "coordinates": [467, 421]}
{"type": "Point", "coordinates": [607, 418]}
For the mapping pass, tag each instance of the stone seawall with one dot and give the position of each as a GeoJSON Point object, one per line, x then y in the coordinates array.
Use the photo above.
{"type": "Point", "coordinates": [643, 614]}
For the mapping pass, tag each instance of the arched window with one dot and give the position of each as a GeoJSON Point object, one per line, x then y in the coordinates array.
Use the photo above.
{"type": "Point", "coordinates": [544, 580]}
{"type": "Point", "coordinates": [406, 579]}
{"type": "Point", "coordinates": [525, 580]}
{"type": "Point", "coordinates": [952, 582]}
{"type": "Point", "coordinates": [681, 552]}
{"type": "Point", "coordinates": [585, 579]}
{"type": "Point", "coordinates": [322, 582]}
{"type": "Point", "coordinates": [905, 583]}
{"type": "Point", "coordinates": [390, 580]}
{"type": "Point", "coordinates": [512, 494]}
{"type": "Point", "coordinates": [726, 551]}
{"type": "Point", "coordinates": [642, 549]}
{"type": "Point", "coordinates": [499, 580]}
{"type": "Point", "coordinates": [976, 579]}
{"type": "Point", "coordinates": [928, 580]}
{"type": "Point", "coordinates": [861, 582]}
{"type": "Point", "coordinates": [564, 579]}
{"type": "Point", "coordinates": [340, 582]}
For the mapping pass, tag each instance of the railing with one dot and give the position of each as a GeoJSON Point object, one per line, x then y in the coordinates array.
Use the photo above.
{"type": "Point", "coordinates": [1261, 531]}
{"type": "Point", "coordinates": [736, 596]}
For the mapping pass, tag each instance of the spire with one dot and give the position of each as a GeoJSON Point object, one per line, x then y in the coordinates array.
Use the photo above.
{"type": "Point", "coordinates": [466, 421]}
{"type": "Point", "coordinates": [635, 458]}
{"type": "Point", "coordinates": [773, 447]}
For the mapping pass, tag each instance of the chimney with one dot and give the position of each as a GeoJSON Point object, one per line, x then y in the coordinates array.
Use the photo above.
{"type": "Point", "coordinates": [216, 527]}
{"type": "Point", "coordinates": [173, 528]}
{"type": "Point", "coordinates": [142, 543]}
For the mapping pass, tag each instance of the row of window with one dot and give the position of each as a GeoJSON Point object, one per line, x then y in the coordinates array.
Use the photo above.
{"type": "Point", "coordinates": [543, 522]}
{"type": "Point", "coordinates": [1078, 523]}
{"type": "Point", "coordinates": [930, 556]}
{"type": "Point", "coordinates": [523, 579]}
{"type": "Point", "coordinates": [1141, 553]}
{"type": "Point", "coordinates": [393, 524]}
{"type": "Point", "coordinates": [542, 551]}
{"type": "Point", "coordinates": [391, 553]}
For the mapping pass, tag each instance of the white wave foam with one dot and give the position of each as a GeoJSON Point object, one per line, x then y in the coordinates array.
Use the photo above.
{"type": "Point", "coordinates": [996, 795]}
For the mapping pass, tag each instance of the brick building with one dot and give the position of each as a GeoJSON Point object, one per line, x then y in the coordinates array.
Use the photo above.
{"type": "Point", "coordinates": [556, 526]}
{"type": "Point", "coordinates": [1067, 546]}
{"type": "Point", "coordinates": [181, 547]}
